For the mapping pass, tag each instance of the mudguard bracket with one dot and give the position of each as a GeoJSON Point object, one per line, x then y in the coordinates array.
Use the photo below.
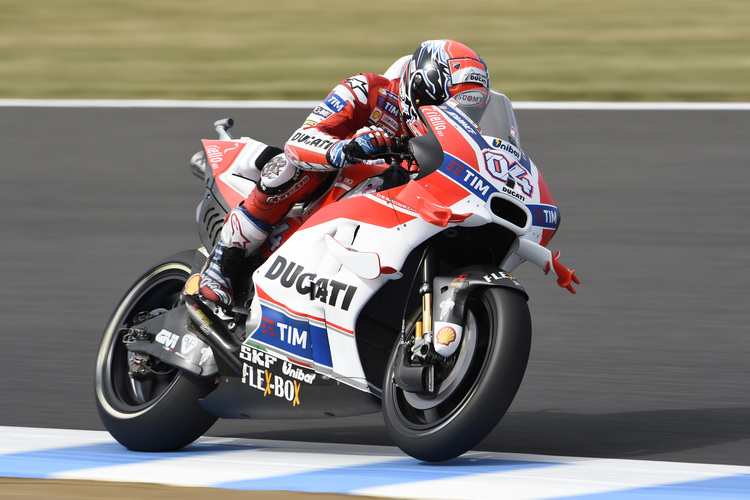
{"type": "Point", "coordinates": [450, 294]}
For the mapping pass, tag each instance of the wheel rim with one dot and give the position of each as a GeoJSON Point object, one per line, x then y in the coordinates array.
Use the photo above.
{"type": "Point", "coordinates": [117, 392]}
{"type": "Point", "coordinates": [457, 380]}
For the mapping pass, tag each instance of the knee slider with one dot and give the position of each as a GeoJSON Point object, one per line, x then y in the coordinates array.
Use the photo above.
{"type": "Point", "coordinates": [277, 174]}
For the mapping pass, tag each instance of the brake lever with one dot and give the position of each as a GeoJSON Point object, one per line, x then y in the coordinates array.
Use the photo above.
{"type": "Point", "coordinates": [397, 150]}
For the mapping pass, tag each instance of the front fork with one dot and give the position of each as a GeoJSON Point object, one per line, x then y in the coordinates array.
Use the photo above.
{"type": "Point", "coordinates": [414, 368]}
{"type": "Point", "coordinates": [423, 333]}
{"type": "Point", "coordinates": [438, 335]}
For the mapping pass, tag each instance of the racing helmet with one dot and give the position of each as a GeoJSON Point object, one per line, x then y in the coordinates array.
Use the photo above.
{"type": "Point", "coordinates": [439, 70]}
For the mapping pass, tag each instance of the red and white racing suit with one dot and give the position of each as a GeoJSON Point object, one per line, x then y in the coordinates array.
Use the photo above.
{"type": "Point", "coordinates": [364, 100]}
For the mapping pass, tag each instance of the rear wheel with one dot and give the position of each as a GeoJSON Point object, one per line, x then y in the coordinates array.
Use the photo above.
{"type": "Point", "coordinates": [473, 388]}
{"type": "Point", "coordinates": [158, 409]}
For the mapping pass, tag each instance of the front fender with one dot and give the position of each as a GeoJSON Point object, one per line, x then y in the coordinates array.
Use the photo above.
{"type": "Point", "coordinates": [450, 294]}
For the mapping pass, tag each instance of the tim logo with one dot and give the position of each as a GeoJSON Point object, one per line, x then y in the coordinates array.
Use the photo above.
{"type": "Point", "coordinates": [390, 107]}
{"type": "Point", "coordinates": [286, 333]}
{"type": "Point", "coordinates": [501, 168]}
{"type": "Point", "coordinates": [335, 102]}
{"type": "Point", "coordinates": [470, 179]}
{"type": "Point", "coordinates": [546, 216]}
{"type": "Point", "coordinates": [294, 334]}
{"type": "Point", "coordinates": [268, 327]}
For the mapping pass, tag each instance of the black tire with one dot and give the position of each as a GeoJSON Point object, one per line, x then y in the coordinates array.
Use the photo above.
{"type": "Point", "coordinates": [161, 412]}
{"type": "Point", "coordinates": [473, 389]}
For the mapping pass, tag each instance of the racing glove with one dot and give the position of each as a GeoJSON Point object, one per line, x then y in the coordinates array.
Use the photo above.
{"type": "Point", "coordinates": [366, 143]}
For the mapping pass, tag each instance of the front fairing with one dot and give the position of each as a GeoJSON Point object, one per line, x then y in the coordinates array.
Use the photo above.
{"type": "Point", "coordinates": [493, 118]}
{"type": "Point", "coordinates": [311, 291]}
{"type": "Point", "coordinates": [477, 147]}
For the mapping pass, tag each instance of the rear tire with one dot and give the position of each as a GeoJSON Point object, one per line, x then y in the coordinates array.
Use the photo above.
{"type": "Point", "coordinates": [474, 388]}
{"type": "Point", "coordinates": [161, 410]}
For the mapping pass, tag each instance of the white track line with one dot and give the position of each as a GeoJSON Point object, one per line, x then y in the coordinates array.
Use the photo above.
{"type": "Point", "coordinates": [247, 464]}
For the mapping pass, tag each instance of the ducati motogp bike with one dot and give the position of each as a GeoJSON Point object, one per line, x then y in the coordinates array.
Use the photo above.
{"type": "Point", "coordinates": [390, 291]}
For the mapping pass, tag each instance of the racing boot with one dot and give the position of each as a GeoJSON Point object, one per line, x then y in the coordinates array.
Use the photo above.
{"type": "Point", "coordinates": [241, 235]}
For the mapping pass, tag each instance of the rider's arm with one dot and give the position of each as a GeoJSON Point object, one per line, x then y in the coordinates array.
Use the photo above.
{"type": "Point", "coordinates": [338, 117]}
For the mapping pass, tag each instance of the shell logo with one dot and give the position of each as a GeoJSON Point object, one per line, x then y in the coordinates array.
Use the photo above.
{"type": "Point", "coordinates": [192, 285]}
{"type": "Point", "coordinates": [446, 335]}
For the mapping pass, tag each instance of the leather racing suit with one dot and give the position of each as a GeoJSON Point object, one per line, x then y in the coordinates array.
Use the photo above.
{"type": "Point", "coordinates": [364, 100]}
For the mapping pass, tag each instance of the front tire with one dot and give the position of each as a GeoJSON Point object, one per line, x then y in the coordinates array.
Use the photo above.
{"type": "Point", "coordinates": [159, 411]}
{"type": "Point", "coordinates": [474, 388]}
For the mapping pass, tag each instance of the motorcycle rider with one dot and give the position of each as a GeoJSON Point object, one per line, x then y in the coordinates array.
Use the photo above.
{"type": "Point", "coordinates": [362, 114]}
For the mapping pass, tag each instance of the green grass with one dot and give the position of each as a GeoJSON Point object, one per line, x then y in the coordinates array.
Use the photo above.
{"type": "Point", "coordinates": [610, 50]}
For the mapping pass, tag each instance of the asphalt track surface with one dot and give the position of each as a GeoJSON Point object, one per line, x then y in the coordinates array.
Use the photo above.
{"type": "Point", "coordinates": [648, 361]}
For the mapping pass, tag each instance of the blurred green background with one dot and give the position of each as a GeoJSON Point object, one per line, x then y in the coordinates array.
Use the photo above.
{"type": "Point", "coordinates": [601, 50]}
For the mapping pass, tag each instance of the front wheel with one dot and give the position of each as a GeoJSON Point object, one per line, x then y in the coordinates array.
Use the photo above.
{"type": "Point", "coordinates": [473, 388]}
{"type": "Point", "coordinates": [159, 409]}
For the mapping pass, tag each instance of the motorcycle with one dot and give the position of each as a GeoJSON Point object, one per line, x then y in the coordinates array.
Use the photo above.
{"type": "Point", "coordinates": [389, 291]}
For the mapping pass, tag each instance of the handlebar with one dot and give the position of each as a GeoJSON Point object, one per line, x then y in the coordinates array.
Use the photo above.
{"type": "Point", "coordinates": [397, 151]}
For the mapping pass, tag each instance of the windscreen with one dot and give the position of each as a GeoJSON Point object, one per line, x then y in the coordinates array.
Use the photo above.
{"type": "Point", "coordinates": [492, 113]}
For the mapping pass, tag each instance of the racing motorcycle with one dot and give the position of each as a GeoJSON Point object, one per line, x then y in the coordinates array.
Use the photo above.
{"type": "Point", "coordinates": [389, 291]}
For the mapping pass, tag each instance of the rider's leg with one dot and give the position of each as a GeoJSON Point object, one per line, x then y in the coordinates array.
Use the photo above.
{"type": "Point", "coordinates": [241, 235]}
{"type": "Point", "coordinates": [247, 226]}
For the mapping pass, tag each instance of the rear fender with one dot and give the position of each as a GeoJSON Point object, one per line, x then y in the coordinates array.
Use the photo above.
{"type": "Point", "coordinates": [449, 301]}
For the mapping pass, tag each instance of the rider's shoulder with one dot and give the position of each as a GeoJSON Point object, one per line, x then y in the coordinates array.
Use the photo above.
{"type": "Point", "coordinates": [362, 84]}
